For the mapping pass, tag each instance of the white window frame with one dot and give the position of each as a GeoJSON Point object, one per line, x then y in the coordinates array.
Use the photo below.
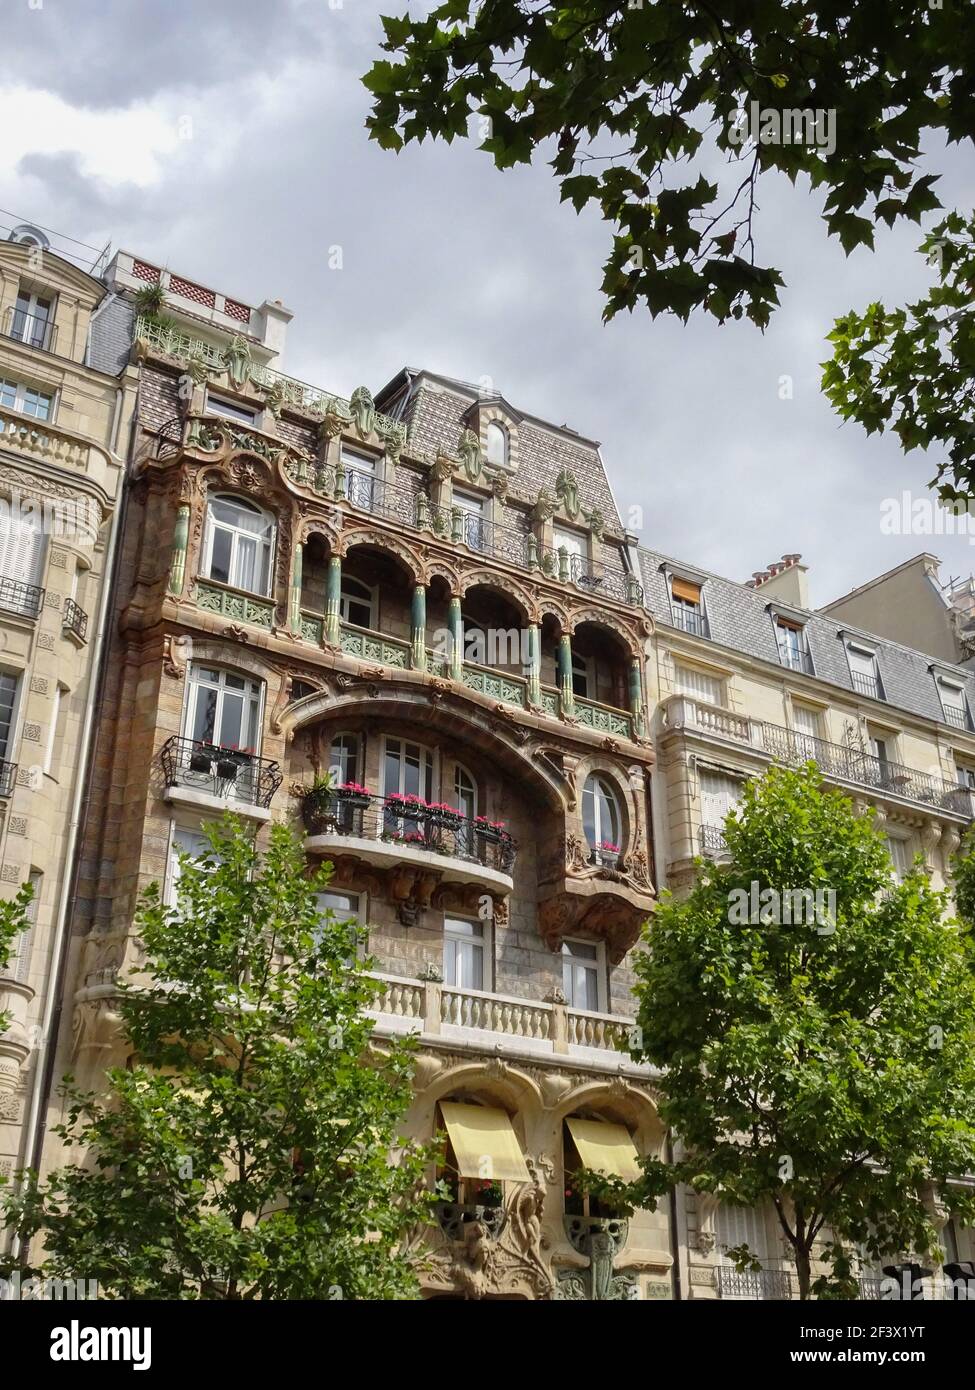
{"type": "Point", "coordinates": [473, 944]}
{"type": "Point", "coordinates": [194, 685]}
{"type": "Point", "coordinates": [360, 493]}
{"type": "Point", "coordinates": [24, 941]}
{"type": "Point", "coordinates": [20, 390]}
{"type": "Point", "coordinates": [574, 543]}
{"type": "Point", "coordinates": [684, 605]}
{"type": "Point", "coordinates": [792, 642]}
{"type": "Point", "coordinates": [357, 914]}
{"type": "Point", "coordinates": [700, 685]}
{"type": "Point", "coordinates": [265, 542]}
{"type": "Point", "coordinates": [595, 965]}
{"type": "Point", "coordinates": [13, 730]}
{"type": "Point", "coordinates": [585, 668]}
{"type": "Point", "coordinates": [474, 508]}
{"type": "Point", "coordinates": [857, 649]}
{"type": "Point", "coordinates": [428, 766]}
{"type": "Point", "coordinates": [347, 600]}
{"type": "Point", "coordinates": [333, 764]}
{"type": "Point", "coordinates": [911, 848]}
{"type": "Point", "coordinates": [495, 429]}
{"type": "Point", "coordinates": [232, 410]}
{"type": "Point", "coordinates": [176, 831]}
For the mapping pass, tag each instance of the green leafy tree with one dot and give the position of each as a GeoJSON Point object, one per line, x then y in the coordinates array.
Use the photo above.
{"type": "Point", "coordinates": [910, 369]}
{"type": "Point", "coordinates": [635, 101]}
{"type": "Point", "coordinates": [825, 1065]}
{"type": "Point", "coordinates": [245, 1153]}
{"type": "Point", "coordinates": [13, 921]}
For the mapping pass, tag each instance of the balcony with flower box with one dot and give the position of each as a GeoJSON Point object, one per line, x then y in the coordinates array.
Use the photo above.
{"type": "Point", "coordinates": [206, 776]}
{"type": "Point", "coordinates": [402, 832]}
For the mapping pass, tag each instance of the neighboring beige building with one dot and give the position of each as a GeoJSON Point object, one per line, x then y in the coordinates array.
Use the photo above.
{"type": "Point", "coordinates": [743, 676]}
{"type": "Point", "coordinates": [64, 430]}
{"type": "Point", "coordinates": [909, 604]}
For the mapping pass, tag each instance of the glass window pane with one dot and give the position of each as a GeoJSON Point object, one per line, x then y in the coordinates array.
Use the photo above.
{"type": "Point", "coordinates": [231, 721]}
{"type": "Point", "coordinates": [205, 714]}
{"type": "Point", "coordinates": [245, 566]}
{"type": "Point", "coordinates": [220, 553]}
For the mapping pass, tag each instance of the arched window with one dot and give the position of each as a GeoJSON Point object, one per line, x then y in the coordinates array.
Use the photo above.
{"type": "Point", "coordinates": [496, 437]}
{"type": "Point", "coordinates": [239, 542]}
{"type": "Point", "coordinates": [358, 603]}
{"type": "Point", "coordinates": [602, 1147]}
{"type": "Point", "coordinates": [601, 816]}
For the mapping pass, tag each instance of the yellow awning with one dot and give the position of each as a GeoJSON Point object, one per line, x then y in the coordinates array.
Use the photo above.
{"type": "Point", "coordinates": [484, 1143]}
{"type": "Point", "coordinates": [605, 1148]}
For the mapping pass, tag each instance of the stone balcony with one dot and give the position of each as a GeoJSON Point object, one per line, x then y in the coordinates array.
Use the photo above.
{"type": "Point", "coordinates": [401, 835]}
{"type": "Point", "coordinates": [851, 766]}
{"type": "Point", "coordinates": [44, 442]}
{"type": "Point", "coordinates": [501, 1023]}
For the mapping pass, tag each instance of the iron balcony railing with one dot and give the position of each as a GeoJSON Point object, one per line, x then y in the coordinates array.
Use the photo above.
{"type": "Point", "coordinates": [8, 775]}
{"type": "Point", "coordinates": [410, 823]}
{"type": "Point", "coordinates": [501, 542]}
{"type": "Point", "coordinates": [762, 1284]}
{"type": "Point", "coordinates": [557, 562]}
{"type": "Point", "coordinates": [17, 597]}
{"type": "Point", "coordinates": [75, 619]}
{"type": "Point", "coordinates": [957, 718]}
{"type": "Point", "coordinates": [690, 620]}
{"type": "Point", "coordinates": [867, 769]}
{"type": "Point", "coordinates": [871, 686]}
{"type": "Point", "coordinates": [797, 659]}
{"type": "Point", "coordinates": [713, 843]}
{"type": "Point", "coordinates": [34, 330]}
{"type": "Point", "coordinates": [382, 499]}
{"type": "Point", "coordinates": [223, 772]}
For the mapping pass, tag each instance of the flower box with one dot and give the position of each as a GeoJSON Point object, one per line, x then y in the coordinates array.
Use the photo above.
{"type": "Point", "coordinates": [355, 796]}
{"type": "Point", "coordinates": [490, 832]}
{"type": "Point", "coordinates": [201, 759]}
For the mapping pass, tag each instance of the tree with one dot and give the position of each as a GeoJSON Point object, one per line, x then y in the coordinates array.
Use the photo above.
{"type": "Point", "coordinates": [245, 1153]}
{"type": "Point", "coordinates": [639, 101]}
{"type": "Point", "coordinates": [910, 369]}
{"type": "Point", "coordinates": [13, 921]}
{"type": "Point", "coordinates": [816, 1053]}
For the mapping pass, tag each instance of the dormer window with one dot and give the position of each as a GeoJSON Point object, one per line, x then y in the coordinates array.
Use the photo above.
{"type": "Point", "coordinates": [793, 648]}
{"type": "Point", "coordinates": [865, 671]}
{"type": "Point", "coordinates": [687, 606]}
{"type": "Point", "coordinates": [954, 703]}
{"type": "Point", "coordinates": [496, 441]}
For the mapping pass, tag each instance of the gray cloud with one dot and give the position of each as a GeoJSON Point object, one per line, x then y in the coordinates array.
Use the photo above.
{"type": "Point", "coordinates": [449, 264]}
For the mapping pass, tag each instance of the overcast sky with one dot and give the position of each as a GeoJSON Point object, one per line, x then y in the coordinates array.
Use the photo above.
{"type": "Point", "coordinates": [226, 140]}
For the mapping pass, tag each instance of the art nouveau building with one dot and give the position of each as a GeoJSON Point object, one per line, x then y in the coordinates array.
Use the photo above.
{"type": "Point", "coordinates": [744, 675]}
{"type": "Point", "coordinates": [65, 410]}
{"type": "Point", "coordinates": [430, 594]}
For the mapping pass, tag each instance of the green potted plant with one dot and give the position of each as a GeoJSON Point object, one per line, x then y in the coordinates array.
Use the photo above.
{"type": "Point", "coordinates": [318, 805]}
{"type": "Point", "coordinates": [149, 301]}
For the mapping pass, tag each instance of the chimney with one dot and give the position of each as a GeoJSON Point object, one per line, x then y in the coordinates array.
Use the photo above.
{"type": "Point", "coordinates": [784, 580]}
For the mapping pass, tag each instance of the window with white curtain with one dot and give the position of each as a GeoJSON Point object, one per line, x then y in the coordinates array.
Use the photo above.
{"type": "Point", "coordinates": [691, 681]}
{"type": "Point", "coordinates": [902, 850]}
{"type": "Point", "coordinates": [601, 816]}
{"type": "Point", "coordinates": [735, 1226]}
{"type": "Point", "coordinates": [239, 543]}
{"type": "Point", "coordinates": [954, 703]}
{"type": "Point", "coordinates": [8, 706]}
{"type": "Point", "coordinates": [808, 725]}
{"type": "Point", "coordinates": [191, 842]}
{"type": "Point", "coordinates": [582, 966]}
{"type": "Point", "coordinates": [720, 794]}
{"type": "Point", "coordinates": [223, 708]}
{"type": "Point", "coordinates": [22, 546]}
{"type": "Point", "coordinates": [23, 944]}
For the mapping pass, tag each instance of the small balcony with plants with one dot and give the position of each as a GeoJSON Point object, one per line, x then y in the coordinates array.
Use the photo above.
{"type": "Point", "coordinates": [399, 829]}
{"type": "Point", "coordinates": [214, 776]}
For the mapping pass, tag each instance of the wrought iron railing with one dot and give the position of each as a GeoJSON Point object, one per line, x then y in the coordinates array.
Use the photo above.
{"type": "Point", "coordinates": [557, 562]}
{"type": "Point", "coordinates": [74, 619]}
{"type": "Point", "coordinates": [20, 598]}
{"type": "Point", "coordinates": [690, 620]}
{"type": "Point", "coordinates": [713, 843]}
{"type": "Point", "coordinates": [797, 659]}
{"type": "Point", "coordinates": [957, 718]}
{"type": "Point", "coordinates": [411, 824]}
{"type": "Point", "coordinates": [871, 686]}
{"type": "Point", "coordinates": [8, 776]}
{"type": "Point", "coordinates": [371, 494]}
{"type": "Point", "coordinates": [752, 1283]}
{"type": "Point", "coordinates": [852, 764]}
{"type": "Point", "coordinates": [223, 772]}
{"type": "Point", "coordinates": [34, 330]}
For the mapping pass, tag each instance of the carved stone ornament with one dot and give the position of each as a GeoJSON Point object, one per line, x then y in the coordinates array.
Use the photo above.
{"type": "Point", "coordinates": [393, 435]}
{"type": "Point", "coordinates": [545, 505]}
{"type": "Point", "coordinates": [469, 453]}
{"type": "Point", "coordinates": [567, 491]}
{"type": "Point", "coordinates": [237, 361]}
{"type": "Point", "coordinates": [430, 973]}
{"type": "Point", "coordinates": [363, 409]}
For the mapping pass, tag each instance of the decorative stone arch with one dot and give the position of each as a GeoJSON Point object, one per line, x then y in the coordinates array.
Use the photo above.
{"type": "Point", "coordinates": [622, 1103]}
{"type": "Point", "coordinates": [515, 593]}
{"type": "Point", "coordinates": [309, 526]}
{"type": "Point", "coordinates": [496, 1083]}
{"type": "Point", "coordinates": [448, 713]}
{"type": "Point", "coordinates": [216, 651]}
{"type": "Point", "coordinates": [617, 626]}
{"type": "Point", "coordinates": [379, 540]}
{"type": "Point", "coordinates": [548, 608]}
{"type": "Point", "coordinates": [436, 569]}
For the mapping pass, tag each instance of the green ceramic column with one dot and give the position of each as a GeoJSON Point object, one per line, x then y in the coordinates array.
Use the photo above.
{"type": "Point", "coordinates": [333, 601]}
{"type": "Point", "coordinates": [181, 536]}
{"type": "Point", "coordinates": [418, 629]}
{"type": "Point", "coordinates": [565, 675]}
{"type": "Point", "coordinates": [294, 593]}
{"type": "Point", "coordinates": [456, 623]}
{"type": "Point", "coordinates": [534, 664]}
{"type": "Point", "coordinates": [636, 696]}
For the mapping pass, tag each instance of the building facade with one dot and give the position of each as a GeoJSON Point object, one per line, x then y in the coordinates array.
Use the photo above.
{"type": "Point", "coordinates": [531, 725]}
{"type": "Point", "coordinates": [64, 431]}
